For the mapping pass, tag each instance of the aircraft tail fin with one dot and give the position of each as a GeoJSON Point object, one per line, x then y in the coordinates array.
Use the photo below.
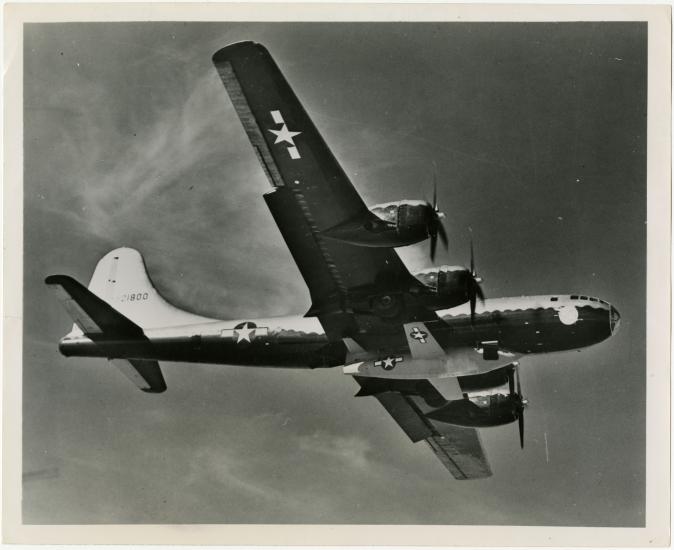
{"type": "Point", "coordinates": [122, 280]}
{"type": "Point", "coordinates": [119, 304]}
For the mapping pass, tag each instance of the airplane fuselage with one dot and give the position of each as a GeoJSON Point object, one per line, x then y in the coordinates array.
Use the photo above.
{"type": "Point", "coordinates": [519, 326]}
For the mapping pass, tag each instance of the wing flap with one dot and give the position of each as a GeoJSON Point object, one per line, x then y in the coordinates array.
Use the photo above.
{"type": "Point", "coordinates": [406, 416]}
{"type": "Point", "coordinates": [323, 282]}
{"type": "Point", "coordinates": [460, 451]}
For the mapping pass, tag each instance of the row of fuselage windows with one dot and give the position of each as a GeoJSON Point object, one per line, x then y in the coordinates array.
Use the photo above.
{"type": "Point", "coordinates": [575, 297]}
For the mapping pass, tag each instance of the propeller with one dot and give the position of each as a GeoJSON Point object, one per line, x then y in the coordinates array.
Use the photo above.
{"type": "Point", "coordinates": [434, 217]}
{"type": "Point", "coordinates": [520, 403]}
{"type": "Point", "coordinates": [474, 289]}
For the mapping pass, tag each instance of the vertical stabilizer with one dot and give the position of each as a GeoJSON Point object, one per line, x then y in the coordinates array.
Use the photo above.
{"type": "Point", "coordinates": [121, 279]}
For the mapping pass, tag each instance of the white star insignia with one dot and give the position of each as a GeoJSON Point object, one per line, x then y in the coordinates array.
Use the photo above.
{"type": "Point", "coordinates": [388, 363]}
{"type": "Point", "coordinates": [419, 335]}
{"type": "Point", "coordinates": [284, 135]}
{"type": "Point", "coordinates": [244, 333]}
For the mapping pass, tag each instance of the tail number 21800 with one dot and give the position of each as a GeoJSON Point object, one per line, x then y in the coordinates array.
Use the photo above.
{"type": "Point", "coordinates": [133, 297]}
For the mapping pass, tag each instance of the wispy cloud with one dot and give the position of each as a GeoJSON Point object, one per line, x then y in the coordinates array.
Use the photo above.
{"type": "Point", "coordinates": [349, 451]}
{"type": "Point", "coordinates": [144, 162]}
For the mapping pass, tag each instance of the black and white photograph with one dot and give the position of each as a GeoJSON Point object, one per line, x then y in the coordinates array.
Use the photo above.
{"type": "Point", "coordinates": [361, 273]}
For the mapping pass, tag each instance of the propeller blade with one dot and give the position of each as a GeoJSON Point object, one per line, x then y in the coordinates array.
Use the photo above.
{"type": "Point", "coordinates": [435, 187]}
{"type": "Point", "coordinates": [434, 226]}
{"type": "Point", "coordinates": [478, 291]}
{"type": "Point", "coordinates": [474, 289]}
{"type": "Point", "coordinates": [431, 218]}
{"type": "Point", "coordinates": [519, 388]}
{"type": "Point", "coordinates": [520, 424]}
{"type": "Point", "coordinates": [472, 257]}
{"type": "Point", "coordinates": [520, 407]}
{"type": "Point", "coordinates": [434, 217]}
{"type": "Point", "coordinates": [443, 235]}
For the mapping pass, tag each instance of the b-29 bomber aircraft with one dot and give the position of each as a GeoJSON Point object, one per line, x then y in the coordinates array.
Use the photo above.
{"type": "Point", "coordinates": [440, 359]}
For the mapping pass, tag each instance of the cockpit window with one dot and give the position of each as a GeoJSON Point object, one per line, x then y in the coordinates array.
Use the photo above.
{"type": "Point", "coordinates": [554, 299]}
{"type": "Point", "coordinates": [583, 297]}
{"type": "Point", "coordinates": [574, 297]}
{"type": "Point", "coordinates": [593, 300]}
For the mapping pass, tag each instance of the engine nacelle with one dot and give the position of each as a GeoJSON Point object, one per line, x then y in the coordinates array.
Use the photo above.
{"type": "Point", "coordinates": [411, 218]}
{"type": "Point", "coordinates": [449, 285]}
{"type": "Point", "coordinates": [392, 224]}
{"type": "Point", "coordinates": [489, 400]}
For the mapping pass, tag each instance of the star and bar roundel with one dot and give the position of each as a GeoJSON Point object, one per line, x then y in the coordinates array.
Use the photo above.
{"type": "Point", "coordinates": [419, 335]}
{"type": "Point", "coordinates": [388, 363]}
{"type": "Point", "coordinates": [244, 333]}
{"type": "Point", "coordinates": [285, 135]}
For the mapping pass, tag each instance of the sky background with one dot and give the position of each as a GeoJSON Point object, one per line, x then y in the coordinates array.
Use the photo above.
{"type": "Point", "coordinates": [538, 132]}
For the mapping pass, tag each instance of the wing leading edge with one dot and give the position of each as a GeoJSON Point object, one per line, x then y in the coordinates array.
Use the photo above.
{"type": "Point", "coordinates": [459, 449]}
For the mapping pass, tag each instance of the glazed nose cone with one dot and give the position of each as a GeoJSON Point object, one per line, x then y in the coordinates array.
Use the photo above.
{"type": "Point", "coordinates": [614, 319]}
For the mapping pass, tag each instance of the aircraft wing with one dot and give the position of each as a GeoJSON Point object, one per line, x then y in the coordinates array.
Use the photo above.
{"type": "Point", "coordinates": [310, 191]}
{"type": "Point", "coordinates": [459, 449]}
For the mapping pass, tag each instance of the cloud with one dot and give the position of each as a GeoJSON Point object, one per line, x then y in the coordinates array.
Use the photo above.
{"type": "Point", "coordinates": [116, 183]}
{"type": "Point", "coordinates": [350, 451]}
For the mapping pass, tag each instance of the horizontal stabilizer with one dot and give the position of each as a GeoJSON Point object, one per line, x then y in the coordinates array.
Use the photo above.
{"type": "Point", "coordinates": [95, 317]}
{"type": "Point", "coordinates": [144, 374]}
